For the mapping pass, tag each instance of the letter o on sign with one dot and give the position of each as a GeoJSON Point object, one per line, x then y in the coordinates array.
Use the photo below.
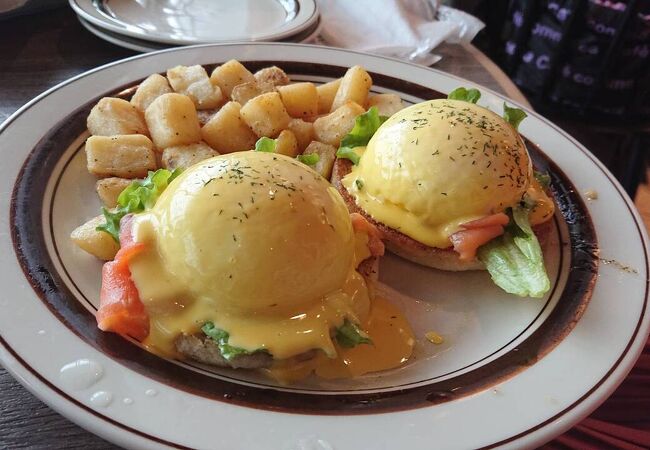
{"type": "Point", "coordinates": [543, 61]}
{"type": "Point", "coordinates": [583, 79]}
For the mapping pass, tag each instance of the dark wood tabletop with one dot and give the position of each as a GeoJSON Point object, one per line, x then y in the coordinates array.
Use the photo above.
{"type": "Point", "coordinates": [42, 50]}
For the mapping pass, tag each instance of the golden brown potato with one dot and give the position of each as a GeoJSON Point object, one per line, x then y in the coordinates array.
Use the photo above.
{"type": "Point", "coordinates": [205, 115]}
{"type": "Point", "coordinates": [266, 115]}
{"type": "Point", "coordinates": [185, 156]}
{"type": "Point", "coordinates": [226, 131]}
{"type": "Point", "coordinates": [354, 87]}
{"type": "Point", "coordinates": [172, 120]}
{"type": "Point", "coordinates": [326, 154]}
{"type": "Point", "coordinates": [303, 131]}
{"type": "Point", "coordinates": [124, 156]}
{"type": "Point", "coordinates": [326, 93]}
{"type": "Point", "coordinates": [193, 81]}
{"type": "Point", "coordinates": [331, 128]}
{"type": "Point", "coordinates": [111, 116]}
{"type": "Point", "coordinates": [97, 243]}
{"type": "Point", "coordinates": [110, 188]}
{"type": "Point", "coordinates": [150, 89]}
{"type": "Point", "coordinates": [273, 75]}
{"type": "Point", "coordinates": [286, 144]}
{"type": "Point", "coordinates": [386, 104]}
{"type": "Point", "coordinates": [244, 92]}
{"type": "Point", "coordinates": [300, 99]}
{"type": "Point", "coordinates": [230, 74]}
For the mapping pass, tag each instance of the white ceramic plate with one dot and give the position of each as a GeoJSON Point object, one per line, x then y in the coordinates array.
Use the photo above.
{"type": "Point", "coordinates": [512, 372]}
{"type": "Point", "coordinates": [200, 21]}
{"type": "Point", "coordinates": [140, 45]}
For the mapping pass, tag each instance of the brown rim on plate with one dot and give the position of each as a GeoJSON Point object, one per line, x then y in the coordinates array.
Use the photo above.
{"type": "Point", "coordinates": [37, 264]}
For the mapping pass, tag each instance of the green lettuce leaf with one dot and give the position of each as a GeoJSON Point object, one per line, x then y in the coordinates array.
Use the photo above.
{"type": "Point", "coordinates": [136, 197]}
{"type": "Point", "coordinates": [265, 144]}
{"type": "Point", "coordinates": [543, 178]}
{"type": "Point", "coordinates": [464, 94]}
{"type": "Point", "coordinates": [220, 337]}
{"type": "Point", "coordinates": [348, 153]}
{"type": "Point", "coordinates": [365, 126]}
{"type": "Point", "coordinates": [513, 116]}
{"type": "Point", "coordinates": [350, 335]}
{"type": "Point", "coordinates": [514, 259]}
{"type": "Point", "coordinates": [309, 159]}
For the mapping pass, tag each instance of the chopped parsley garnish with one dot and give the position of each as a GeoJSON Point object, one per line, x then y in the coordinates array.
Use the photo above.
{"type": "Point", "coordinates": [513, 116]}
{"type": "Point", "coordinates": [365, 126]}
{"type": "Point", "coordinates": [359, 183]}
{"type": "Point", "coordinates": [220, 337]}
{"type": "Point", "coordinates": [309, 159]}
{"type": "Point", "coordinates": [137, 197]}
{"type": "Point", "coordinates": [350, 335]}
{"type": "Point", "coordinates": [348, 153]}
{"type": "Point", "coordinates": [464, 94]}
{"type": "Point", "coordinates": [268, 145]}
{"type": "Point", "coordinates": [265, 144]}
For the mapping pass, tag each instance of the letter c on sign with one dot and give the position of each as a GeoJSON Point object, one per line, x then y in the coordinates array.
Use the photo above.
{"type": "Point", "coordinates": [543, 61]}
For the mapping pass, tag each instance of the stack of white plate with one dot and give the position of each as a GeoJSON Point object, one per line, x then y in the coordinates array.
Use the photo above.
{"type": "Point", "coordinates": [149, 25]}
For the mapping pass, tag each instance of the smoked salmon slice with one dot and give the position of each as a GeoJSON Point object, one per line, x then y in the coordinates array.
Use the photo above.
{"type": "Point", "coordinates": [476, 233]}
{"type": "Point", "coordinates": [375, 244]}
{"type": "Point", "coordinates": [487, 221]}
{"type": "Point", "coordinates": [120, 308]}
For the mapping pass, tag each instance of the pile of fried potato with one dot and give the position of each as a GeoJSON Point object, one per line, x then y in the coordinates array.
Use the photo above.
{"type": "Point", "coordinates": [186, 117]}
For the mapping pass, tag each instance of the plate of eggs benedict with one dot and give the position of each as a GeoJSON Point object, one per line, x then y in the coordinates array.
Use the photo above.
{"type": "Point", "coordinates": [284, 246]}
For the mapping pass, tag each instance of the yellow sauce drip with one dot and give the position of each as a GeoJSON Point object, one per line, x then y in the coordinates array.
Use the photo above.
{"type": "Point", "coordinates": [285, 335]}
{"type": "Point", "coordinates": [393, 342]}
{"type": "Point", "coordinates": [434, 337]}
{"type": "Point", "coordinates": [544, 206]}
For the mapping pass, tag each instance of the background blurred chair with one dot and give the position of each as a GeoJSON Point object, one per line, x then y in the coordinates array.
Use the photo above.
{"type": "Point", "coordinates": [584, 64]}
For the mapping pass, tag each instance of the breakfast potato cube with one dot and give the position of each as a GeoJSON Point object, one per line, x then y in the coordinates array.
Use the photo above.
{"type": "Point", "coordinates": [226, 131]}
{"type": "Point", "coordinates": [193, 81]}
{"type": "Point", "coordinates": [326, 154]}
{"type": "Point", "coordinates": [230, 74]}
{"type": "Point", "coordinates": [150, 89]}
{"type": "Point", "coordinates": [172, 120]}
{"type": "Point", "coordinates": [185, 156]}
{"type": "Point", "coordinates": [244, 92]}
{"type": "Point", "coordinates": [303, 131]}
{"type": "Point", "coordinates": [386, 104]}
{"type": "Point", "coordinates": [354, 87]}
{"type": "Point", "coordinates": [266, 114]}
{"type": "Point", "coordinates": [300, 99]}
{"type": "Point", "coordinates": [286, 144]}
{"type": "Point", "coordinates": [273, 75]}
{"type": "Point", "coordinates": [331, 128]}
{"type": "Point", "coordinates": [112, 116]}
{"type": "Point", "coordinates": [110, 188]}
{"type": "Point", "coordinates": [124, 156]}
{"type": "Point", "coordinates": [205, 115]}
{"type": "Point", "coordinates": [326, 93]}
{"type": "Point", "coordinates": [97, 243]}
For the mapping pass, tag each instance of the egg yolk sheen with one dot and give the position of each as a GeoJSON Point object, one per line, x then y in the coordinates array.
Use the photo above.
{"type": "Point", "coordinates": [438, 164]}
{"type": "Point", "coordinates": [258, 244]}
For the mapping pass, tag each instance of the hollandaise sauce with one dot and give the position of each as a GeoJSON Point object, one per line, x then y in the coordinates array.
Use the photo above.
{"type": "Point", "coordinates": [392, 346]}
{"type": "Point", "coordinates": [438, 164]}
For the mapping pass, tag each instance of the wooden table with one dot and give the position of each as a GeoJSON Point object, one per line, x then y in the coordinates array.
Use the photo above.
{"type": "Point", "coordinates": [36, 53]}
